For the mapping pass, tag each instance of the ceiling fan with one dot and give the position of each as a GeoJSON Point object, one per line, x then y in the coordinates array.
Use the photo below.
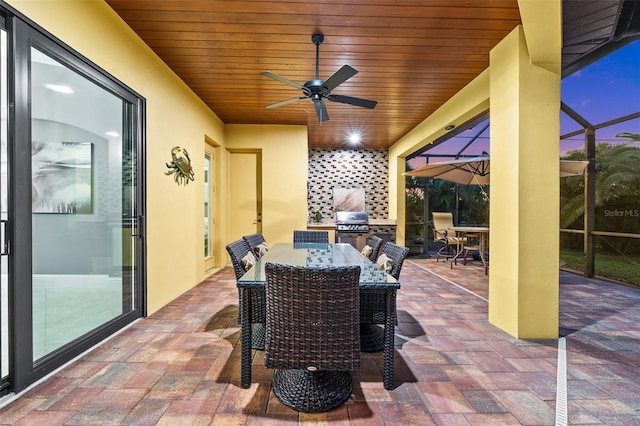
{"type": "Point", "coordinates": [317, 89]}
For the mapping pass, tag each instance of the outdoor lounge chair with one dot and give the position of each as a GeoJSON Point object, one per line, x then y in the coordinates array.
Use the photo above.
{"type": "Point", "coordinates": [442, 221]}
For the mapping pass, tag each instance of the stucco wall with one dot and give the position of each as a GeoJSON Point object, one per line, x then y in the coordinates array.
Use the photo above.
{"type": "Point", "coordinates": [284, 174]}
{"type": "Point", "coordinates": [175, 116]}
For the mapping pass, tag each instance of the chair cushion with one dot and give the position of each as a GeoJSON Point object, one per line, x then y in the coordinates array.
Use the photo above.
{"type": "Point", "coordinates": [248, 261]}
{"type": "Point", "coordinates": [261, 249]}
{"type": "Point", "coordinates": [385, 263]}
{"type": "Point", "coordinates": [366, 250]}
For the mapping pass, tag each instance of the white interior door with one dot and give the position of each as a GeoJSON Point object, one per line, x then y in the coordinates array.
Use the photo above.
{"type": "Point", "coordinates": [245, 194]}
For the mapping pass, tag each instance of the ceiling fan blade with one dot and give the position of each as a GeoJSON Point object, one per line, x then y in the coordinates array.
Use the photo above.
{"type": "Point", "coordinates": [321, 110]}
{"type": "Point", "coordinates": [339, 77]}
{"type": "Point", "coordinates": [285, 81]}
{"type": "Point", "coordinates": [365, 103]}
{"type": "Point", "coordinates": [285, 102]}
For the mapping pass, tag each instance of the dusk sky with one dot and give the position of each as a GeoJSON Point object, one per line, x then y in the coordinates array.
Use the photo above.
{"type": "Point", "coordinates": [602, 91]}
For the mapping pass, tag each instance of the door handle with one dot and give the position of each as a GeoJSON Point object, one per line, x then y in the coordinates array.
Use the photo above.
{"type": "Point", "coordinates": [4, 238]}
{"type": "Point", "coordinates": [138, 226]}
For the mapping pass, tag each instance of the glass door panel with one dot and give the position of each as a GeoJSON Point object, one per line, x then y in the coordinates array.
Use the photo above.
{"type": "Point", "coordinates": [209, 253]}
{"type": "Point", "coordinates": [207, 206]}
{"type": "Point", "coordinates": [4, 209]}
{"type": "Point", "coordinates": [83, 213]}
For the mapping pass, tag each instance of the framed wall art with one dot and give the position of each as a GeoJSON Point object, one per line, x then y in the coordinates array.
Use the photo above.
{"type": "Point", "coordinates": [62, 177]}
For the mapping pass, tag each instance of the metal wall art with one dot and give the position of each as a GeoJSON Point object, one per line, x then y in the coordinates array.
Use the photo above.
{"type": "Point", "coordinates": [180, 166]}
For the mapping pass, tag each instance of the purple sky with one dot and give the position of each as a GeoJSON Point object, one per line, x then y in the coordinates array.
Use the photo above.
{"type": "Point", "coordinates": [602, 91]}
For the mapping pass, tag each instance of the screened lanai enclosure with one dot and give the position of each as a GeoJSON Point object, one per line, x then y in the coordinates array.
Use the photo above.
{"type": "Point", "coordinates": [599, 211]}
{"type": "Point", "coordinates": [600, 122]}
{"type": "Point", "coordinates": [424, 195]}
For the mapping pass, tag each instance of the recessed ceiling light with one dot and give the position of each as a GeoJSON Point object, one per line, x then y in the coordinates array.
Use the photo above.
{"type": "Point", "coordinates": [450, 127]}
{"type": "Point", "coordinates": [355, 138]}
{"type": "Point", "coordinates": [60, 88]}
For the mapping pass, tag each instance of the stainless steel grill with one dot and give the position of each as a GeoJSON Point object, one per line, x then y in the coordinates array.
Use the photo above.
{"type": "Point", "coordinates": [352, 222]}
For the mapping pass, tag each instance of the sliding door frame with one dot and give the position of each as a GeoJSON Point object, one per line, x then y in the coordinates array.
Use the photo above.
{"type": "Point", "coordinates": [22, 36]}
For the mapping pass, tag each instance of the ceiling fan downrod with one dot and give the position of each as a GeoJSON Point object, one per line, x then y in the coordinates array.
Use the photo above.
{"type": "Point", "coordinates": [317, 39]}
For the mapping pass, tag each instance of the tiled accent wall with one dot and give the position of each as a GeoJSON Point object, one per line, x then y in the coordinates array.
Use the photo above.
{"type": "Point", "coordinates": [336, 168]}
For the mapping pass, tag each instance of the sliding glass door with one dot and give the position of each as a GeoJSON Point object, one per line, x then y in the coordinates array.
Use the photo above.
{"type": "Point", "coordinates": [4, 255]}
{"type": "Point", "coordinates": [72, 194]}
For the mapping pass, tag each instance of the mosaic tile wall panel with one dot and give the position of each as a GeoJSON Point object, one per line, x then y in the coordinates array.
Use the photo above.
{"type": "Point", "coordinates": [331, 168]}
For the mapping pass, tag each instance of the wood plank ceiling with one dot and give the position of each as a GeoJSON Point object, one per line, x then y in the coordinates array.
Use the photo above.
{"type": "Point", "coordinates": [412, 55]}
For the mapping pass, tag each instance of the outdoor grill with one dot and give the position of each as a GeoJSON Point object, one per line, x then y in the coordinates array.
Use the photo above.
{"type": "Point", "coordinates": [352, 222]}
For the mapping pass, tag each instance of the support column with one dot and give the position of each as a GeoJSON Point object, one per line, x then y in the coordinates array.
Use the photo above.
{"type": "Point", "coordinates": [525, 186]}
{"type": "Point", "coordinates": [589, 202]}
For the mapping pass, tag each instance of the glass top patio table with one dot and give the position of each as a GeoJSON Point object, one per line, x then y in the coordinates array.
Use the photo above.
{"type": "Point", "coordinates": [319, 255]}
{"type": "Point", "coordinates": [373, 280]}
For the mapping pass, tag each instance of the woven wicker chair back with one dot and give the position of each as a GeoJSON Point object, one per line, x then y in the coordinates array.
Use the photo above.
{"type": "Point", "coordinates": [302, 236]}
{"type": "Point", "coordinates": [375, 243]}
{"type": "Point", "coordinates": [312, 318]}
{"type": "Point", "coordinates": [254, 240]}
{"type": "Point", "coordinates": [237, 250]}
{"type": "Point", "coordinates": [398, 254]}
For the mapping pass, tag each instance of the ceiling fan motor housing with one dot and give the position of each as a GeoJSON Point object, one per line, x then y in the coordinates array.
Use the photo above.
{"type": "Point", "coordinates": [316, 89]}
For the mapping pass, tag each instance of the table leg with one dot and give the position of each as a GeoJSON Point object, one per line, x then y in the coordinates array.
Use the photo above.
{"type": "Point", "coordinates": [389, 336]}
{"type": "Point", "coordinates": [459, 248]}
{"type": "Point", "coordinates": [483, 245]}
{"type": "Point", "coordinates": [245, 337]}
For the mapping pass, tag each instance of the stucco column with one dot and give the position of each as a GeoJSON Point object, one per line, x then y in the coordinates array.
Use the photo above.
{"type": "Point", "coordinates": [524, 218]}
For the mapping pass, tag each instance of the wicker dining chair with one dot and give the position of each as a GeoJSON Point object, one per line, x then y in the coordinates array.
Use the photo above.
{"type": "Point", "coordinates": [397, 254]}
{"type": "Point", "coordinates": [376, 244]}
{"type": "Point", "coordinates": [303, 236]}
{"type": "Point", "coordinates": [239, 250]}
{"type": "Point", "coordinates": [373, 306]}
{"type": "Point", "coordinates": [255, 241]}
{"type": "Point", "coordinates": [313, 338]}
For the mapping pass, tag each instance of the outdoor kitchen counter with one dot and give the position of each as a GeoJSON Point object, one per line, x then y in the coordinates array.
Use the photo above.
{"type": "Point", "coordinates": [331, 224]}
{"type": "Point", "coordinates": [386, 226]}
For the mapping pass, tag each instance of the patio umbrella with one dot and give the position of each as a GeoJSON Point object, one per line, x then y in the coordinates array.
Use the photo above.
{"type": "Point", "coordinates": [572, 168]}
{"type": "Point", "coordinates": [475, 171]}
{"type": "Point", "coordinates": [468, 171]}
